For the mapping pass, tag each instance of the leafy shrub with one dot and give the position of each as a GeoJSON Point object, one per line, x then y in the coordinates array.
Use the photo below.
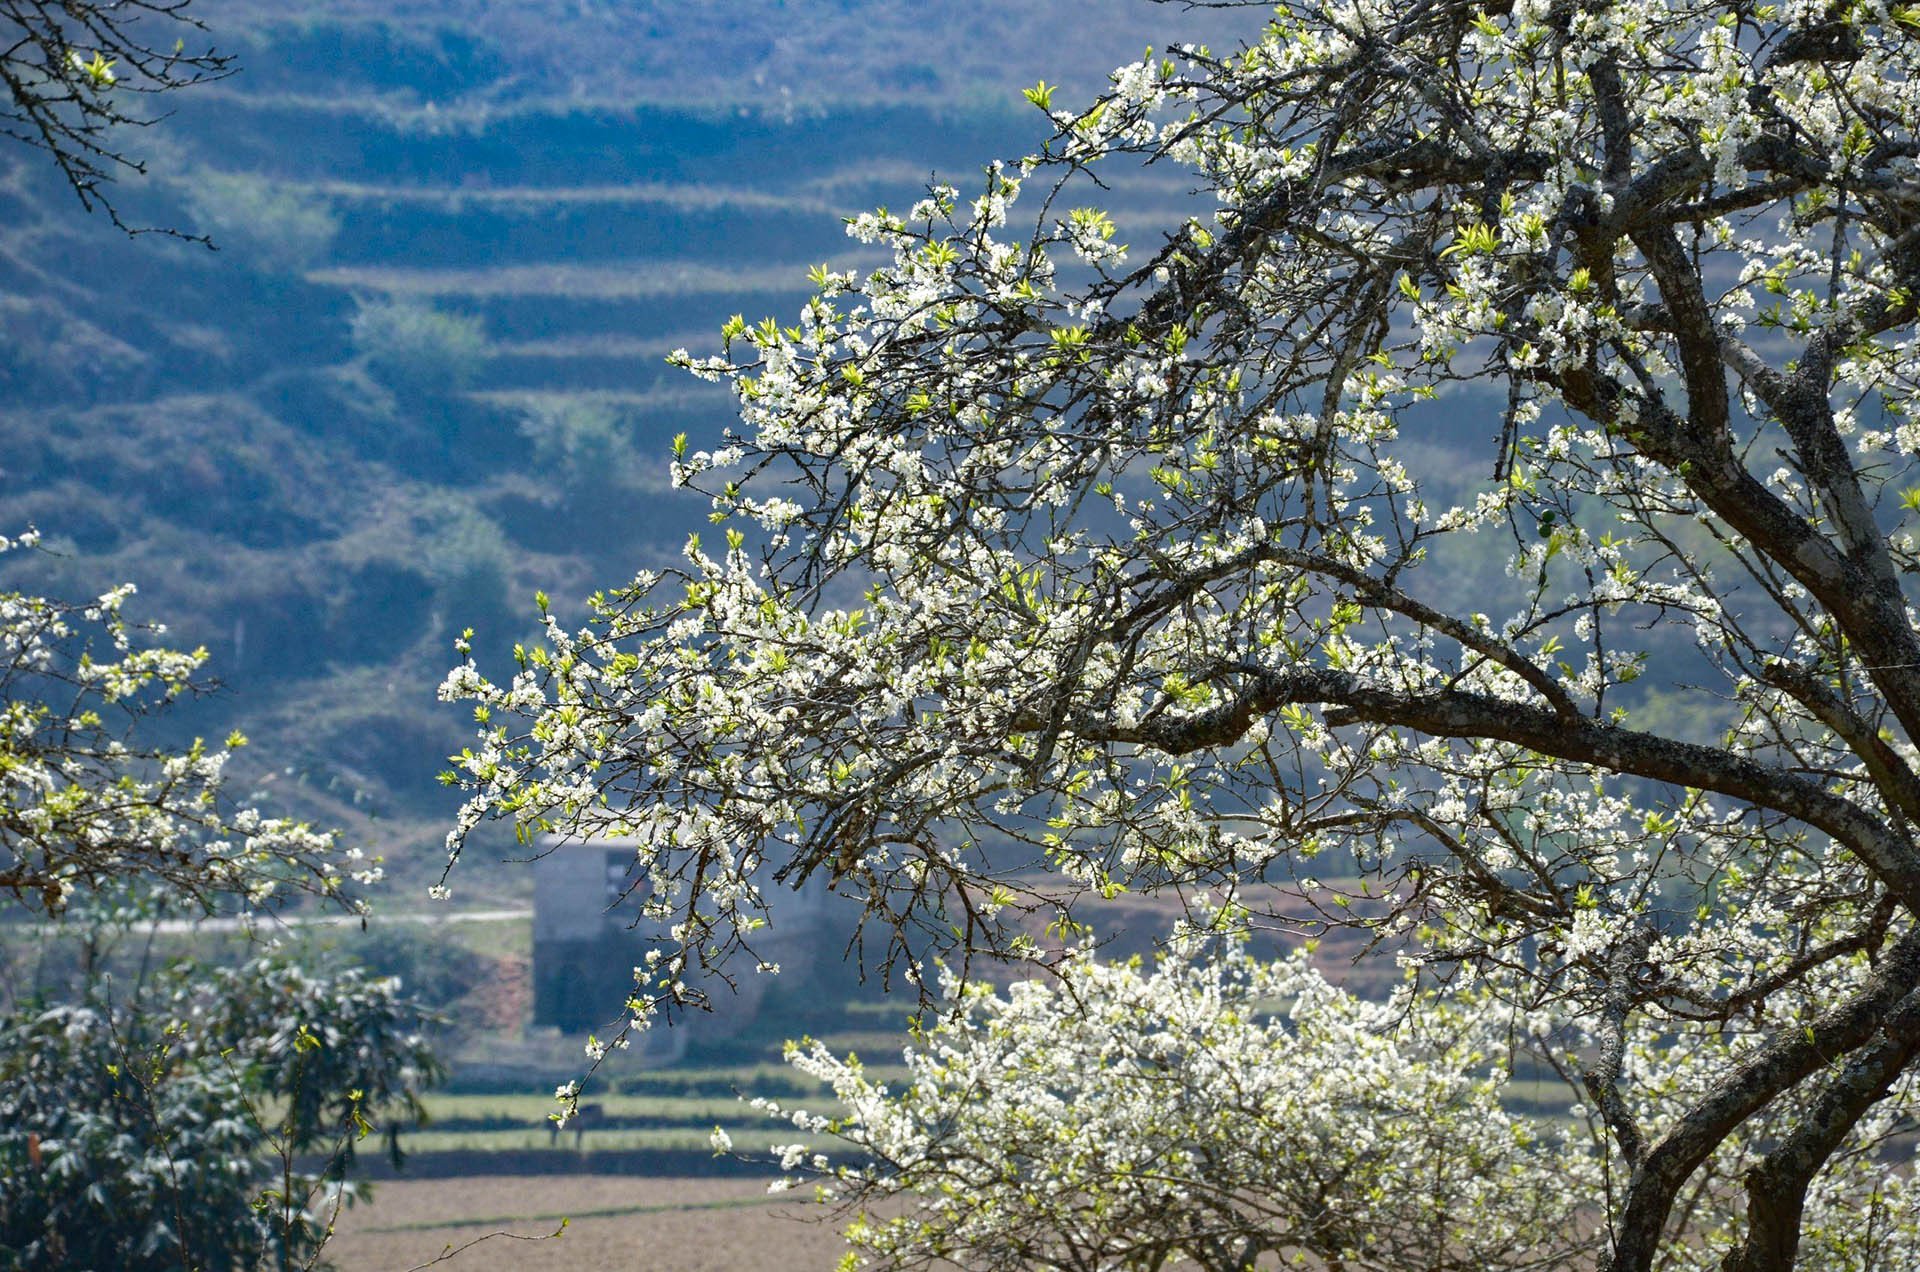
{"type": "Point", "coordinates": [160, 1129]}
{"type": "Point", "coordinates": [278, 230]}
{"type": "Point", "coordinates": [414, 347]}
{"type": "Point", "coordinates": [420, 960]}
{"type": "Point", "coordinates": [580, 440]}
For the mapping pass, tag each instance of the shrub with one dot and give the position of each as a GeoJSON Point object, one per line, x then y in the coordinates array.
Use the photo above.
{"type": "Point", "coordinates": [414, 347]}
{"type": "Point", "coordinates": [276, 229]}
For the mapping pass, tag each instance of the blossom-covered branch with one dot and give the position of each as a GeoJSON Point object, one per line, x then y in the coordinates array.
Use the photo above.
{"type": "Point", "coordinates": [1497, 498]}
{"type": "Point", "coordinates": [85, 807]}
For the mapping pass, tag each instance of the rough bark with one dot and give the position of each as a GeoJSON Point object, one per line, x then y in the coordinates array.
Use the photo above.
{"type": "Point", "coordinates": [1791, 1059]}
{"type": "Point", "coordinates": [1777, 1186]}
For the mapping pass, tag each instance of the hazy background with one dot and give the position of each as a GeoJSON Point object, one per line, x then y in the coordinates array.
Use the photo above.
{"type": "Point", "coordinates": [423, 374]}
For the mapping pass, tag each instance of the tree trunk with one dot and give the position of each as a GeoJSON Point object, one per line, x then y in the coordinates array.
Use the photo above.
{"type": "Point", "coordinates": [1777, 1186]}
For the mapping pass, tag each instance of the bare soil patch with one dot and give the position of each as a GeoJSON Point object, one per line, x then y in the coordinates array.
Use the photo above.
{"type": "Point", "coordinates": [632, 1223]}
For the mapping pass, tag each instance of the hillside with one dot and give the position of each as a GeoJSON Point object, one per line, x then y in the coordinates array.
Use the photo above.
{"type": "Point", "coordinates": [423, 375]}
{"type": "Point", "coordinates": [767, 56]}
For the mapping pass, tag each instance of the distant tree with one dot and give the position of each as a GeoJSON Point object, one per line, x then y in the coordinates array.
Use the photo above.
{"type": "Point", "coordinates": [279, 230]}
{"type": "Point", "coordinates": [579, 442]}
{"type": "Point", "coordinates": [1044, 569]}
{"type": "Point", "coordinates": [79, 72]}
{"type": "Point", "coordinates": [421, 959]}
{"type": "Point", "coordinates": [417, 347]}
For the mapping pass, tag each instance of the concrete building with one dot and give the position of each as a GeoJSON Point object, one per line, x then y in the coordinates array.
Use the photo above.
{"type": "Point", "coordinates": [589, 935]}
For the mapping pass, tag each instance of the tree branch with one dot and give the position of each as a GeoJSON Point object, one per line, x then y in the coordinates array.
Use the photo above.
{"type": "Point", "coordinates": [1462, 714]}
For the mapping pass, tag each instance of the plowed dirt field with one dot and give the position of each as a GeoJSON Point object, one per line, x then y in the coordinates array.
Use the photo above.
{"type": "Point", "coordinates": [614, 1222]}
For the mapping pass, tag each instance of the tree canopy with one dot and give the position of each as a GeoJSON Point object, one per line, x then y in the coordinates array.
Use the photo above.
{"type": "Point", "coordinates": [1049, 568]}
{"type": "Point", "coordinates": [1132, 1119]}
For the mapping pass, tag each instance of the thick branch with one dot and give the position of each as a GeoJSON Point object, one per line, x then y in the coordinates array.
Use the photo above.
{"type": "Point", "coordinates": [1583, 740]}
{"type": "Point", "coordinates": [1876, 625]}
{"type": "Point", "coordinates": [1602, 1077]}
{"type": "Point", "coordinates": [1789, 1060]}
{"type": "Point", "coordinates": [1895, 780]}
{"type": "Point", "coordinates": [1777, 1186]}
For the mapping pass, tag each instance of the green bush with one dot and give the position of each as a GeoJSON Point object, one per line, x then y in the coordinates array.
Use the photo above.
{"type": "Point", "coordinates": [579, 440]}
{"type": "Point", "coordinates": [277, 230]}
{"type": "Point", "coordinates": [158, 1128]}
{"type": "Point", "coordinates": [420, 960]}
{"type": "Point", "coordinates": [414, 347]}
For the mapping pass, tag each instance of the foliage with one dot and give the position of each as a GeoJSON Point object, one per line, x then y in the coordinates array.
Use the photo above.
{"type": "Point", "coordinates": [280, 230]}
{"type": "Point", "coordinates": [1152, 595]}
{"type": "Point", "coordinates": [82, 808]}
{"type": "Point", "coordinates": [158, 1128]}
{"type": "Point", "coordinates": [418, 348]}
{"type": "Point", "coordinates": [74, 70]}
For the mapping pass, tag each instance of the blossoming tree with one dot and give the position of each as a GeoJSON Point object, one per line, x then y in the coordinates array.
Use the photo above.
{"type": "Point", "coordinates": [1222, 1113]}
{"type": "Point", "coordinates": [158, 1118]}
{"type": "Point", "coordinates": [1050, 569]}
{"type": "Point", "coordinates": [86, 807]}
{"type": "Point", "coordinates": [1127, 1119]}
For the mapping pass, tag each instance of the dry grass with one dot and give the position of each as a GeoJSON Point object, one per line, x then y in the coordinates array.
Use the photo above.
{"type": "Point", "coordinates": [630, 1223]}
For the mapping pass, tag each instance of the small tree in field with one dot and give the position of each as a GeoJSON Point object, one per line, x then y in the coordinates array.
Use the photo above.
{"type": "Point", "coordinates": [1221, 1113]}
{"type": "Point", "coordinates": [1044, 568]}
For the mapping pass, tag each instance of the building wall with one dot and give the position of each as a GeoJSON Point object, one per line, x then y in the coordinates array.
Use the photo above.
{"type": "Point", "coordinates": [588, 937]}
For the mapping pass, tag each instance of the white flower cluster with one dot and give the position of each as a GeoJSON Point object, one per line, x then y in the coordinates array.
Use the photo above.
{"type": "Point", "coordinates": [83, 808]}
{"type": "Point", "coordinates": [1178, 1111]}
